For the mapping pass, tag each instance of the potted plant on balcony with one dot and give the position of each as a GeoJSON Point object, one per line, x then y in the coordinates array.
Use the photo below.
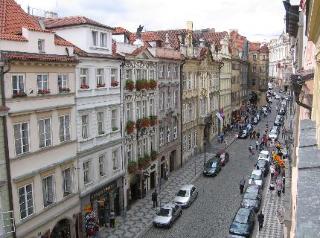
{"type": "Point", "coordinates": [84, 86]}
{"type": "Point", "coordinates": [132, 167]}
{"type": "Point", "coordinates": [101, 85]}
{"type": "Point", "coordinates": [129, 85]}
{"type": "Point", "coordinates": [114, 83]}
{"type": "Point", "coordinates": [130, 127]}
{"type": "Point", "coordinates": [143, 162]}
{"type": "Point", "coordinates": [142, 123]}
{"type": "Point", "coordinates": [64, 90]}
{"type": "Point", "coordinates": [153, 120]}
{"type": "Point", "coordinates": [153, 155]}
{"type": "Point", "coordinates": [152, 84]}
{"type": "Point", "coordinates": [44, 91]}
{"type": "Point", "coordinates": [139, 84]}
{"type": "Point", "coordinates": [20, 93]}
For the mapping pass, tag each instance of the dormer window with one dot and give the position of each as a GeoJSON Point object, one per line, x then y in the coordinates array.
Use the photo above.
{"type": "Point", "coordinates": [103, 39]}
{"type": "Point", "coordinates": [95, 38]}
{"type": "Point", "coordinates": [41, 45]}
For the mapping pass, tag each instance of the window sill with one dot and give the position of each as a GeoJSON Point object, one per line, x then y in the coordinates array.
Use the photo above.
{"type": "Point", "coordinates": [86, 185]}
{"type": "Point", "coordinates": [85, 89]}
{"type": "Point", "coordinates": [85, 140]}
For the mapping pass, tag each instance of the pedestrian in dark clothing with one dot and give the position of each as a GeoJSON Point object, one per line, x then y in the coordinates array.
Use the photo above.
{"type": "Point", "coordinates": [241, 184]}
{"type": "Point", "coordinates": [154, 199]}
{"type": "Point", "coordinates": [260, 220]}
{"type": "Point", "coordinates": [112, 219]}
{"type": "Point", "coordinates": [258, 135]}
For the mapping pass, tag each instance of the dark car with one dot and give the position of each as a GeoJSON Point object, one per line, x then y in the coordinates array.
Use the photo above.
{"type": "Point", "coordinates": [263, 165]}
{"type": "Point", "coordinates": [212, 167]}
{"type": "Point", "coordinates": [243, 134]}
{"type": "Point", "coordinates": [243, 222]}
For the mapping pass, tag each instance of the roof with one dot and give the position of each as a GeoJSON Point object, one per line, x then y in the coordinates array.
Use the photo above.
{"type": "Point", "coordinates": [58, 40]}
{"type": "Point", "coordinates": [13, 19]}
{"type": "Point", "coordinates": [52, 23]}
{"type": "Point", "coordinates": [22, 56]}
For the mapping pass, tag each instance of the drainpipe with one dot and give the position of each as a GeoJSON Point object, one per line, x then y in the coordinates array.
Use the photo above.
{"type": "Point", "coordinates": [181, 123]}
{"type": "Point", "coordinates": [5, 132]}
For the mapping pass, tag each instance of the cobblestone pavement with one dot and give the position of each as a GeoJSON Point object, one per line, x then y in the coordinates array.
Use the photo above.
{"type": "Point", "coordinates": [219, 198]}
{"type": "Point", "coordinates": [139, 217]}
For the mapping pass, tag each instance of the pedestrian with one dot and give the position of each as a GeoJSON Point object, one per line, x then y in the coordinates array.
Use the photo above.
{"type": "Point", "coordinates": [260, 220]}
{"type": "Point", "coordinates": [279, 186]}
{"type": "Point", "coordinates": [272, 170]}
{"type": "Point", "coordinates": [112, 219]}
{"type": "Point", "coordinates": [241, 184]}
{"type": "Point", "coordinates": [257, 144]}
{"type": "Point", "coordinates": [258, 134]}
{"type": "Point", "coordinates": [154, 197]}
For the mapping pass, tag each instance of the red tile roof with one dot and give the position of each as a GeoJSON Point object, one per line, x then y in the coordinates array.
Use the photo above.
{"type": "Point", "coordinates": [165, 53]}
{"type": "Point", "coordinates": [11, 37]}
{"type": "Point", "coordinates": [21, 56]}
{"type": "Point", "coordinates": [58, 40]}
{"type": "Point", "coordinates": [51, 23]}
{"type": "Point", "coordinates": [120, 30]}
{"type": "Point", "coordinates": [13, 19]}
{"type": "Point", "coordinates": [237, 39]}
{"type": "Point", "coordinates": [254, 46]}
{"type": "Point", "coordinates": [264, 49]}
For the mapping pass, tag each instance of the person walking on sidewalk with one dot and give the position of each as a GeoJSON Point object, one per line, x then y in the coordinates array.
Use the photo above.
{"type": "Point", "coordinates": [272, 170]}
{"type": "Point", "coordinates": [279, 186]}
{"type": "Point", "coordinates": [241, 185]}
{"type": "Point", "coordinates": [154, 197]}
{"type": "Point", "coordinates": [260, 220]}
{"type": "Point", "coordinates": [257, 145]}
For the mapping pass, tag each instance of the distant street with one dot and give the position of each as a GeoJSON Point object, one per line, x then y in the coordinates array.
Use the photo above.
{"type": "Point", "coordinates": [219, 198]}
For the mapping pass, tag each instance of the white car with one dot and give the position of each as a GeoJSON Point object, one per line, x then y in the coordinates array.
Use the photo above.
{"type": "Point", "coordinates": [166, 215]}
{"type": "Point", "coordinates": [273, 134]}
{"type": "Point", "coordinates": [278, 96]}
{"type": "Point", "coordinates": [186, 195]}
{"type": "Point", "coordinates": [265, 155]}
{"type": "Point", "coordinates": [256, 178]}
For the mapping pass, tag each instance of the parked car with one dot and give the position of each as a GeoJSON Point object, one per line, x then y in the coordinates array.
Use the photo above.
{"type": "Point", "coordinates": [224, 158]}
{"type": "Point", "coordinates": [249, 127]}
{"type": "Point", "coordinates": [243, 134]}
{"type": "Point", "coordinates": [186, 196]}
{"type": "Point", "coordinates": [282, 111]}
{"type": "Point", "coordinates": [254, 189]}
{"type": "Point", "coordinates": [252, 200]}
{"type": "Point", "coordinates": [263, 165]}
{"type": "Point", "coordinates": [255, 121]}
{"type": "Point", "coordinates": [276, 128]}
{"type": "Point", "coordinates": [212, 167]}
{"type": "Point", "coordinates": [278, 121]}
{"type": "Point", "coordinates": [265, 155]}
{"type": "Point", "coordinates": [273, 134]}
{"type": "Point", "coordinates": [256, 178]}
{"type": "Point", "coordinates": [166, 215]}
{"type": "Point", "coordinates": [243, 222]}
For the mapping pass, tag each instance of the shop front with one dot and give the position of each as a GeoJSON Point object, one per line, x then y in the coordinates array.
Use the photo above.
{"type": "Point", "coordinates": [102, 201]}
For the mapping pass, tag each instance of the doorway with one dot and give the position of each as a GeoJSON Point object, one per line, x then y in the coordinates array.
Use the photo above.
{"type": "Point", "coordinates": [152, 180]}
{"type": "Point", "coordinates": [172, 160]}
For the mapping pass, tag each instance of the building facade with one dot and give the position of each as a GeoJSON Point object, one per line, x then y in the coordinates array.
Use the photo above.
{"type": "Point", "coordinates": [41, 139]}
{"type": "Point", "coordinates": [98, 116]}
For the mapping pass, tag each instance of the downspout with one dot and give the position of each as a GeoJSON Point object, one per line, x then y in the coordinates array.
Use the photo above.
{"type": "Point", "coordinates": [5, 132]}
{"type": "Point", "coordinates": [181, 123]}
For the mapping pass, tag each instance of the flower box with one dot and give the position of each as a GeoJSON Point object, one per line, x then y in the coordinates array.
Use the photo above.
{"type": "Point", "coordinates": [152, 84]}
{"type": "Point", "coordinates": [144, 162]}
{"type": "Point", "coordinates": [17, 94]}
{"type": "Point", "coordinates": [129, 85]}
{"type": "Point", "coordinates": [64, 90]}
{"type": "Point", "coordinates": [132, 167]}
{"type": "Point", "coordinates": [130, 127]}
{"type": "Point", "coordinates": [153, 120]}
{"type": "Point", "coordinates": [143, 123]}
{"type": "Point", "coordinates": [142, 84]}
{"type": "Point", "coordinates": [101, 85]}
{"type": "Point", "coordinates": [84, 86]}
{"type": "Point", "coordinates": [114, 83]}
{"type": "Point", "coordinates": [43, 91]}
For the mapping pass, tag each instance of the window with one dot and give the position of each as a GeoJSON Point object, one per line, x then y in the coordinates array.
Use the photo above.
{"type": "Point", "coordinates": [169, 100]}
{"type": "Point", "coordinates": [144, 74]}
{"type": "Point", "coordinates": [189, 141]}
{"type": "Point", "coordinates": [138, 112]}
{"type": "Point", "coordinates": [41, 46]}
{"type": "Point", "coordinates": [100, 78]}
{"type": "Point", "coordinates": [114, 119]}
{"type": "Point", "coordinates": [100, 122]}
{"type": "Point", "coordinates": [101, 165]}
{"type": "Point", "coordinates": [94, 38]}
{"type": "Point", "coordinates": [63, 83]}
{"type": "Point", "coordinates": [139, 150]}
{"type": "Point", "coordinates": [85, 126]}
{"type": "Point", "coordinates": [67, 181]}
{"type": "Point", "coordinates": [114, 77]}
{"type": "Point", "coordinates": [161, 139]}
{"type": "Point", "coordinates": [103, 39]}
{"type": "Point", "coordinates": [161, 71]}
{"type": "Point", "coordinates": [48, 190]}
{"type": "Point", "coordinates": [44, 132]}
{"type": "Point", "coordinates": [64, 128]}
{"type": "Point", "coordinates": [129, 152]}
{"type": "Point", "coordinates": [129, 74]}
{"type": "Point", "coordinates": [175, 130]}
{"type": "Point", "coordinates": [151, 74]}
{"type": "Point", "coordinates": [21, 138]}
{"type": "Point", "coordinates": [151, 107]}
{"type": "Point", "coordinates": [169, 71]}
{"type": "Point", "coordinates": [145, 145]}
{"type": "Point", "coordinates": [42, 83]}
{"type": "Point", "coordinates": [17, 84]}
{"type": "Point", "coordinates": [138, 74]}
{"type": "Point", "coordinates": [253, 68]}
{"type": "Point", "coordinates": [144, 108]}
{"type": "Point", "coordinates": [129, 111]}
{"type": "Point", "coordinates": [84, 80]}
{"type": "Point", "coordinates": [175, 98]}
{"type": "Point", "coordinates": [174, 72]}
{"type": "Point", "coordinates": [254, 57]}
{"type": "Point", "coordinates": [115, 160]}
{"type": "Point", "coordinates": [86, 172]}
{"type": "Point", "coordinates": [168, 135]}
{"type": "Point", "coordinates": [195, 138]}
{"type": "Point", "coordinates": [153, 142]}
{"type": "Point", "coordinates": [184, 142]}
{"type": "Point", "coordinates": [25, 201]}
{"type": "Point", "coordinates": [161, 101]}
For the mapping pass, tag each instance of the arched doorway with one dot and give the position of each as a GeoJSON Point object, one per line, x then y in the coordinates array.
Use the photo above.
{"type": "Point", "coordinates": [62, 229]}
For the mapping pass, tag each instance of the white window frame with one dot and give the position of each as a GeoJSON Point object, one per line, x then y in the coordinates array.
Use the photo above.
{"type": "Point", "coordinates": [63, 82]}
{"type": "Point", "coordinates": [46, 201]}
{"type": "Point", "coordinates": [114, 74]}
{"type": "Point", "coordinates": [129, 111]}
{"type": "Point", "coordinates": [101, 160]}
{"type": "Point", "coordinates": [129, 152]}
{"type": "Point", "coordinates": [67, 188]}
{"type": "Point", "coordinates": [100, 77]}
{"type": "Point", "coordinates": [41, 45]}
{"type": "Point", "coordinates": [95, 38]}
{"type": "Point", "coordinates": [161, 136]}
{"type": "Point", "coordinates": [144, 108]}
{"type": "Point", "coordinates": [114, 119]}
{"type": "Point", "coordinates": [26, 200]}
{"type": "Point", "coordinates": [115, 160]}
{"type": "Point", "coordinates": [169, 100]}
{"type": "Point", "coordinates": [151, 74]}
{"type": "Point", "coordinates": [85, 127]}
{"type": "Point", "coordinates": [145, 145]}
{"type": "Point", "coordinates": [86, 172]}
{"type": "Point", "coordinates": [84, 77]}
{"type": "Point", "coordinates": [138, 110]}
{"type": "Point", "coordinates": [43, 81]}
{"type": "Point", "coordinates": [151, 106]}
{"type": "Point", "coordinates": [175, 130]}
{"type": "Point", "coordinates": [18, 86]}
{"type": "Point", "coordinates": [47, 134]}
{"type": "Point", "coordinates": [24, 147]}
{"type": "Point", "coordinates": [100, 123]}
{"type": "Point", "coordinates": [128, 74]}
{"type": "Point", "coordinates": [64, 128]}
{"type": "Point", "coordinates": [168, 135]}
{"type": "Point", "coordinates": [103, 39]}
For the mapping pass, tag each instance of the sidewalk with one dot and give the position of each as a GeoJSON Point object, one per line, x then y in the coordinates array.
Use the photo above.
{"type": "Point", "coordinates": [139, 218]}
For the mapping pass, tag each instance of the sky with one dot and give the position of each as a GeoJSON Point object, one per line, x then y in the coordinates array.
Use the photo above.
{"type": "Point", "coordinates": [259, 20]}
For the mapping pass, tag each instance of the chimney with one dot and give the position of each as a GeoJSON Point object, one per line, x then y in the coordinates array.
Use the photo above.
{"type": "Point", "coordinates": [189, 25]}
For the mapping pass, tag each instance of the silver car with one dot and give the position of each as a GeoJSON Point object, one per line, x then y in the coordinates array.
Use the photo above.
{"type": "Point", "coordinates": [186, 195]}
{"type": "Point", "coordinates": [166, 215]}
{"type": "Point", "coordinates": [256, 178]}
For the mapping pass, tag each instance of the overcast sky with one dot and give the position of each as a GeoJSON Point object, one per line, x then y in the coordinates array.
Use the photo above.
{"type": "Point", "coordinates": [259, 20]}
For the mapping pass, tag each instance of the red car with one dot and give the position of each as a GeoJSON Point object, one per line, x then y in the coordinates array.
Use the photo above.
{"type": "Point", "coordinates": [224, 158]}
